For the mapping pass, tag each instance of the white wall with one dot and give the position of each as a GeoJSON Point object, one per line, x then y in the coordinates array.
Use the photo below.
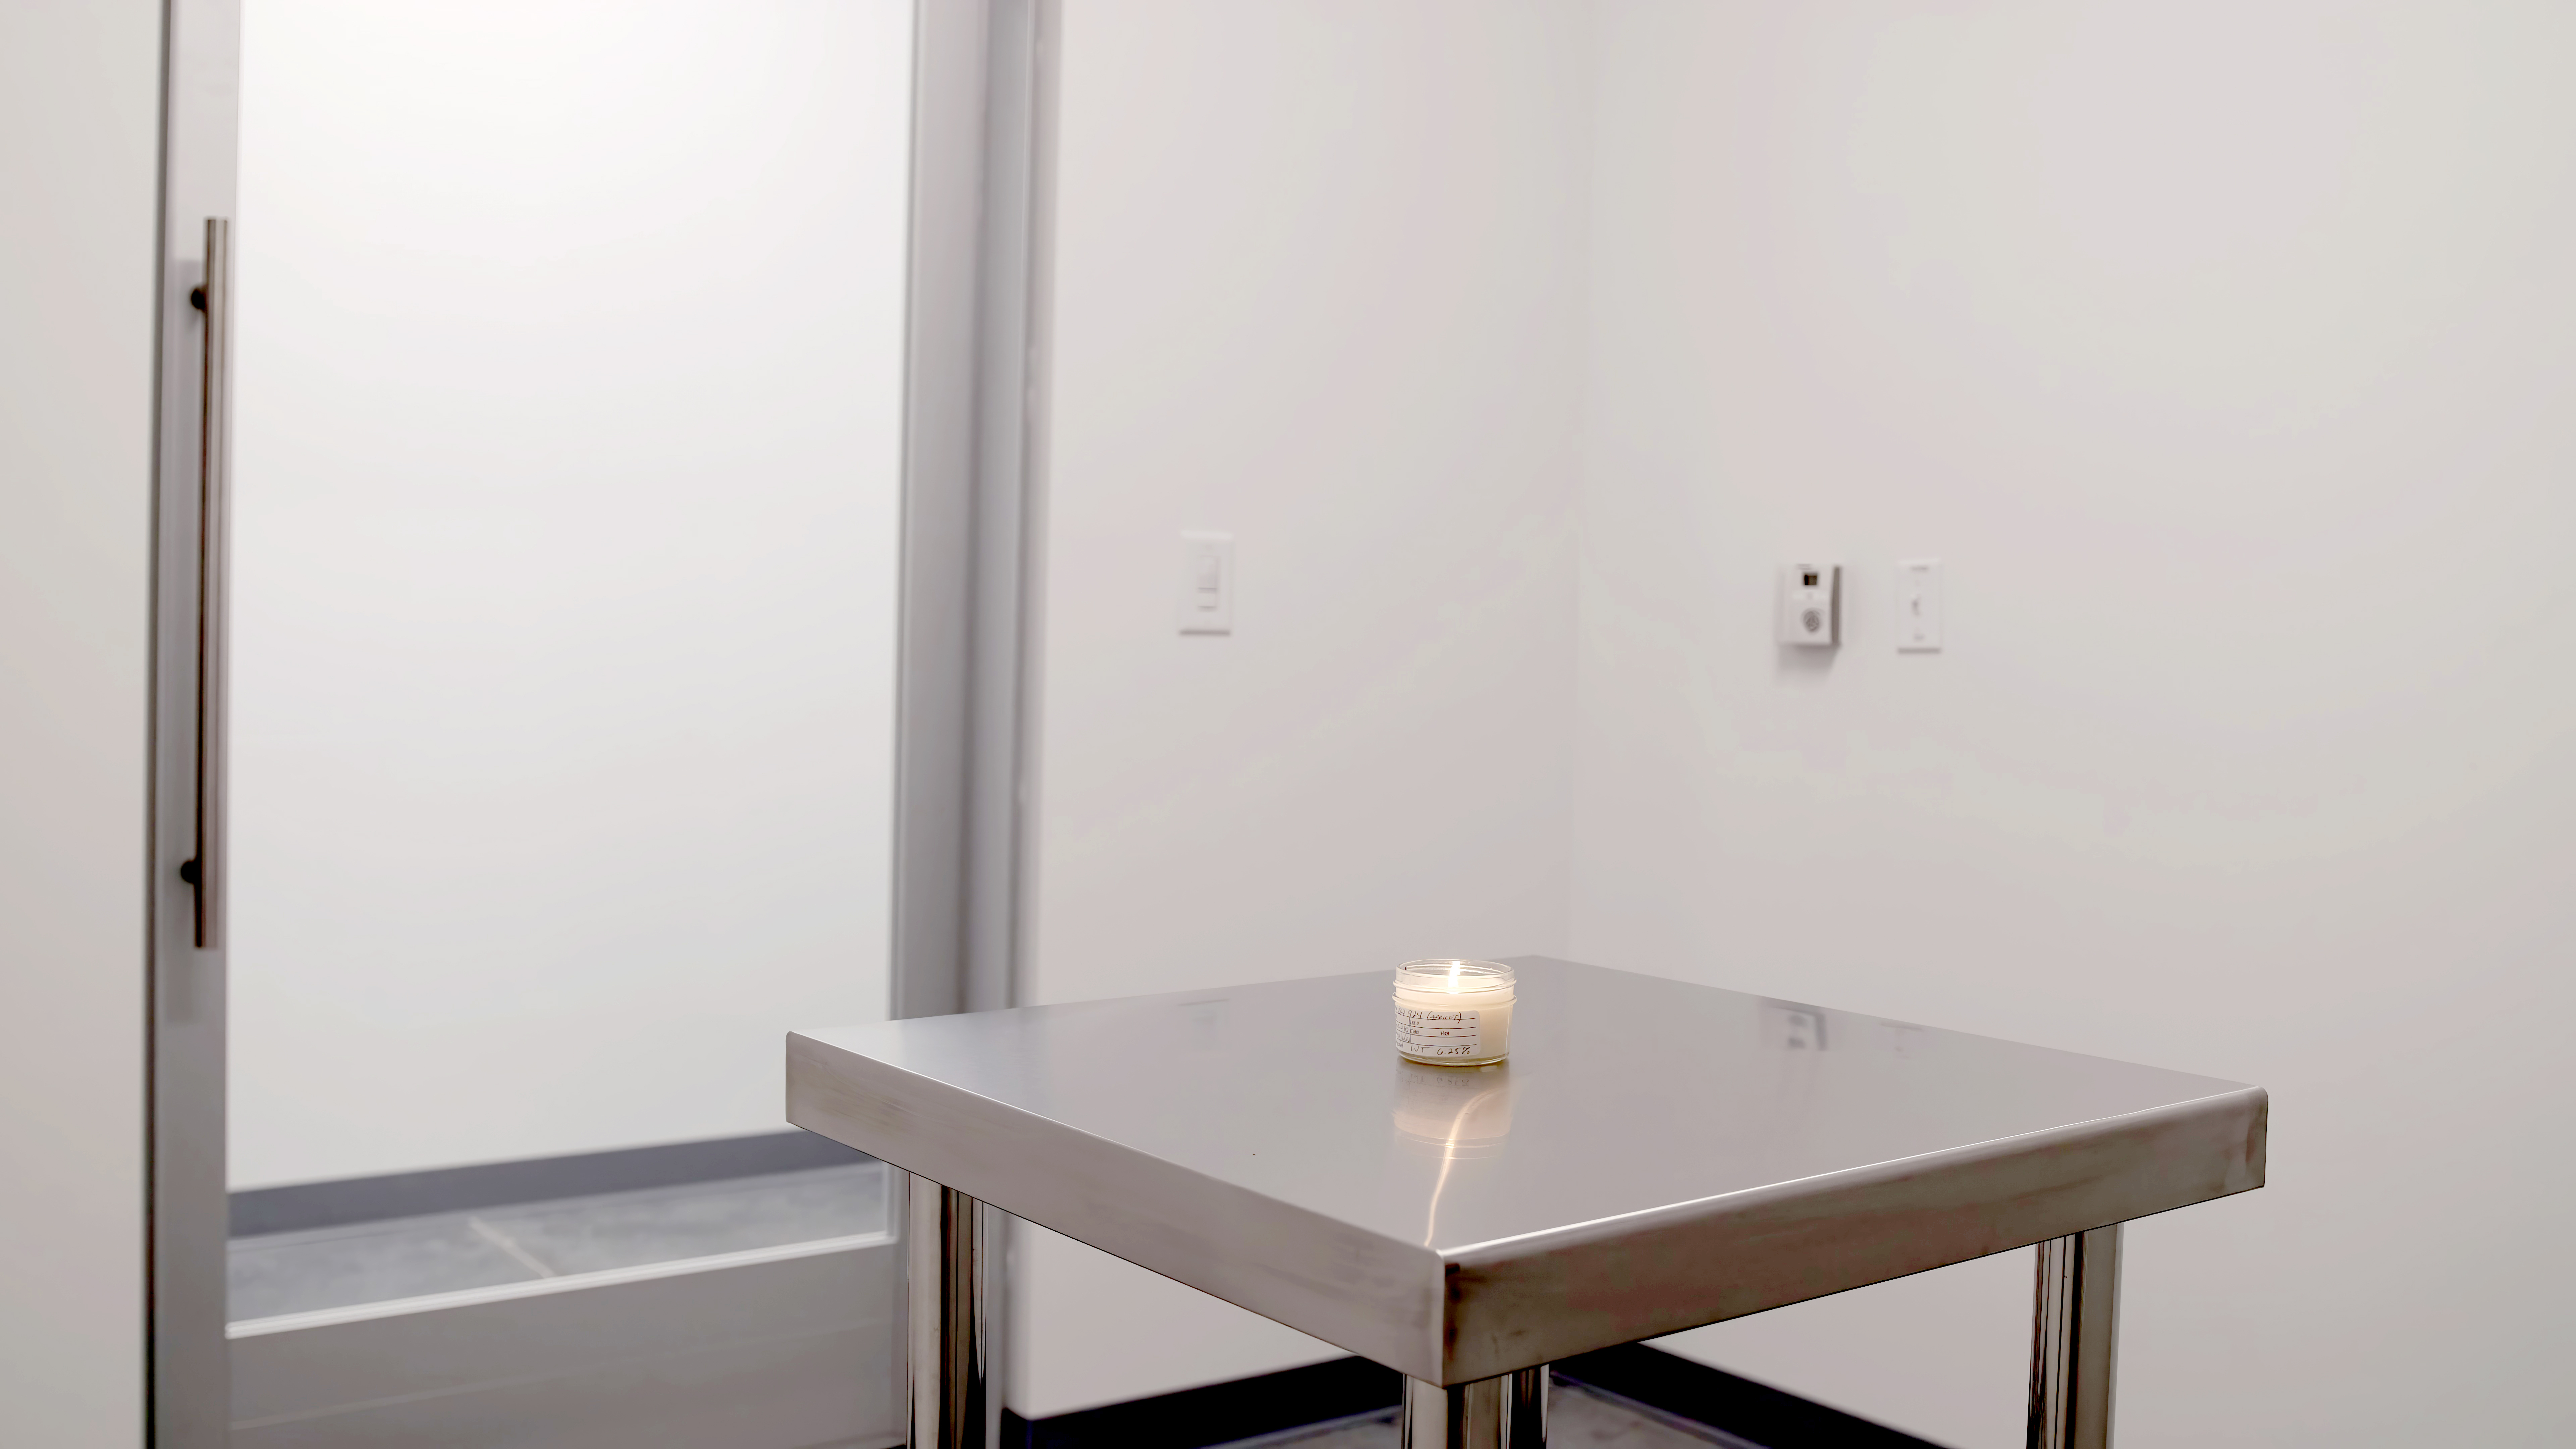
{"type": "Point", "coordinates": [80, 105]}
{"type": "Point", "coordinates": [2224, 354]}
{"type": "Point", "coordinates": [2222, 373]}
{"type": "Point", "coordinates": [1309, 281]}
{"type": "Point", "coordinates": [568, 437]}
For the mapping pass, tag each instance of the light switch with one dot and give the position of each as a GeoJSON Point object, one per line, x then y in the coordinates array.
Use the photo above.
{"type": "Point", "coordinates": [1207, 583]}
{"type": "Point", "coordinates": [1918, 605]}
{"type": "Point", "coordinates": [1811, 605]}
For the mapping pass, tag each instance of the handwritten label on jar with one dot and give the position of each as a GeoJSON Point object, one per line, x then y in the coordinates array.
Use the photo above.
{"type": "Point", "coordinates": [1428, 1032]}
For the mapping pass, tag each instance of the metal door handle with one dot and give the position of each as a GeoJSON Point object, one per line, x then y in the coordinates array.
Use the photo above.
{"type": "Point", "coordinates": [205, 869]}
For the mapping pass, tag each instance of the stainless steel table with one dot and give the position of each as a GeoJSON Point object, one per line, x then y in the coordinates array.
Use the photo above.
{"type": "Point", "coordinates": [1654, 1156]}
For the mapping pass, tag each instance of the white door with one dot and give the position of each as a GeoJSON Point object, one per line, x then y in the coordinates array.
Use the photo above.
{"type": "Point", "coordinates": [568, 390]}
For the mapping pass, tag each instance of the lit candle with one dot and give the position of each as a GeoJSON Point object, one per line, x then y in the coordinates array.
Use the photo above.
{"type": "Point", "coordinates": [1453, 1013]}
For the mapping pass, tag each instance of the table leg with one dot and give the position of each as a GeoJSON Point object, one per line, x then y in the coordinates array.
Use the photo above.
{"type": "Point", "coordinates": [948, 1241]}
{"type": "Point", "coordinates": [2076, 1346]}
{"type": "Point", "coordinates": [1508, 1411]}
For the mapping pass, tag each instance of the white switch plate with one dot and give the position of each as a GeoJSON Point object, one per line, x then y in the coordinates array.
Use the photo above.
{"type": "Point", "coordinates": [1918, 605]}
{"type": "Point", "coordinates": [1207, 583]}
{"type": "Point", "coordinates": [1811, 605]}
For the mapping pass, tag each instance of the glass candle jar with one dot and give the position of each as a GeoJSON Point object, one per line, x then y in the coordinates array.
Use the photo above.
{"type": "Point", "coordinates": [1453, 1013]}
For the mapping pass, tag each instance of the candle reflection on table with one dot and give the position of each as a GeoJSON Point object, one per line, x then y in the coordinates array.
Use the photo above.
{"type": "Point", "coordinates": [1457, 1113]}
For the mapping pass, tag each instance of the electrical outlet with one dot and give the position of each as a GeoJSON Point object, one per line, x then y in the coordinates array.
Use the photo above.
{"type": "Point", "coordinates": [1207, 583]}
{"type": "Point", "coordinates": [1918, 606]}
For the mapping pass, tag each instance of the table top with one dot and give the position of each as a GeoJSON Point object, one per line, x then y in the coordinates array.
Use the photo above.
{"type": "Point", "coordinates": [1654, 1155]}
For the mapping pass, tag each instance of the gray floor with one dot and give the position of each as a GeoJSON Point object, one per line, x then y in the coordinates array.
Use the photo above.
{"type": "Point", "coordinates": [411, 1257]}
{"type": "Point", "coordinates": [299, 1272]}
{"type": "Point", "coordinates": [1578, 1418]}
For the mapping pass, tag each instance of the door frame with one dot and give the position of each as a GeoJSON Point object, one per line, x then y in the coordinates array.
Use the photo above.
{"type": "Point", "coordinates": [964, 682]}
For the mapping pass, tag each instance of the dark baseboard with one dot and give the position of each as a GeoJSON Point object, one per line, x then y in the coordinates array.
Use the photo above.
{"type": "Point", "coordinates": [1218, 1413]}
{"type": "Point", "coordinates": [1343, 1388]}
{"type": "Point", "coordinates": [1754, 1412]}
{"type": "Point", "coordinates": [541, 1179]}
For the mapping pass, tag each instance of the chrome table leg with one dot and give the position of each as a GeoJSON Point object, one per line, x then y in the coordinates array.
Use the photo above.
{"type": "Point", "coordinates": [2076, 1346]}
{"type": "Point", "coordinates": [948, 1243]}
{"type": "Point", "coordinates": [1508, 1411]}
